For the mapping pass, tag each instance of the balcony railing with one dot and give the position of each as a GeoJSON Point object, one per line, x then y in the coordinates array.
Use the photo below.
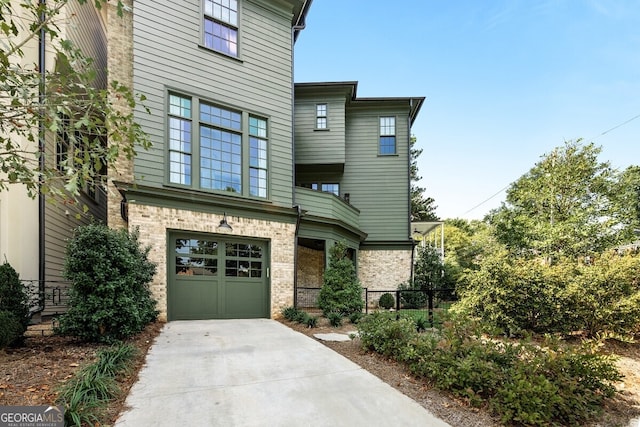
{"type": "Point", "coordinates": [328, 206]}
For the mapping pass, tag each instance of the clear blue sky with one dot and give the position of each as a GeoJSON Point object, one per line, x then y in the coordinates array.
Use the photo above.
{"type": "Point", "coordinates": [506, 81]}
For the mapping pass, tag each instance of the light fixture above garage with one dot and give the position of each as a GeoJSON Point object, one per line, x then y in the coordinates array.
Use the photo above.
{"type": "Point", "coordinates": [224, 224]}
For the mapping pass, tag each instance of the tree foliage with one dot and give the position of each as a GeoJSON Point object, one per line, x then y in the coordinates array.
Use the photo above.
{"type": "Point", "coordinates": [341, 291]}
{"type": "Point", "coordinates": [565, 206]}
{"type": "Point", "coordinates": [517, 294]}
{"type": "Point", "coordinates": [64, 99]}
{"type": "Point", "coordinates": [422, 208]}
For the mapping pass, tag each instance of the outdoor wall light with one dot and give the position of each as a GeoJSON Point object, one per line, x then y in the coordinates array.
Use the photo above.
{"type": "Point", "coordinates": [224, 224]}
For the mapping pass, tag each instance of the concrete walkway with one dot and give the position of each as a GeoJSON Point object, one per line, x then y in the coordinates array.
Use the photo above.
{"type": "Point", "coordinates": [259, 373]}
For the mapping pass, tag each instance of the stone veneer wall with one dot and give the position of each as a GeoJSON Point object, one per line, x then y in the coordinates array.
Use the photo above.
{"type": "Point", "coordinates": [153, 223]}
{"type": "Point", "coordinates": [383, 269]}
{"type": "Point", "coordinates": [310, 267]}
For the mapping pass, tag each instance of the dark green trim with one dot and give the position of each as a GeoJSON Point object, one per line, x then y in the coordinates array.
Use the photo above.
{"type": "Point", "coordinates": [200, 201]}
{"type": "Point", "coordinates": [390, 245]}
{"type": "Point", "coordinates": [326, 222]}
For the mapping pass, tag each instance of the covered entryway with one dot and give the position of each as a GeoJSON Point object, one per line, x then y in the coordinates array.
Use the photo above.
{"type": "Point", "coordinates": [217, 277]}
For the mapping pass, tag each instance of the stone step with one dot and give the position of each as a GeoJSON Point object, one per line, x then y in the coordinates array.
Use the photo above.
{"type": "Point", "coordinates": [39, 330]}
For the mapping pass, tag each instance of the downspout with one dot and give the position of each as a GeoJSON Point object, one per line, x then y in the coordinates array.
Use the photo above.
{"type": "Point", "coordinates": [299, 26]}
{"type": "Point", "coordinates": [41, 160]}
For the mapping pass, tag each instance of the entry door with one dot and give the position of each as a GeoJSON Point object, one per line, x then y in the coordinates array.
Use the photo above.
{"type": "Point", "coordinates": [213, 277]}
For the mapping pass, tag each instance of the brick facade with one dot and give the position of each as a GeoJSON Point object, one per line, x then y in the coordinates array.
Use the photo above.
{"type": "Point", "coordinates": [154, 222]}
{"type": "Point", "coordinates": [120, 66]}
{"type": "Point", "coordinates": [310, 267]}
{"type": "Point", "coordinates": [384, 269]}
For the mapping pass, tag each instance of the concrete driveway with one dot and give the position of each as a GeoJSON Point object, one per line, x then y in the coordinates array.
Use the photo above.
{"type": "Point", "coordinates": [259, 373]}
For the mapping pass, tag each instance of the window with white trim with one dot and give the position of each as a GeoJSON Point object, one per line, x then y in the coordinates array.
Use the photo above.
{"type": "Point", "coordinates": [221, 26]}
{"type": "Point", "coordinates": [387, 135]}
{"type": "Point", "coordinates": [225, 150]}
{"type": "Point", "coordinates": [321, 116]}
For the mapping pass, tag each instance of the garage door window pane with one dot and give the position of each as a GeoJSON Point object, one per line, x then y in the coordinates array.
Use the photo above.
{"type": "Point", "coordinates": [204, 263]}
{"type": "Point", "coordinates": [188, 266]}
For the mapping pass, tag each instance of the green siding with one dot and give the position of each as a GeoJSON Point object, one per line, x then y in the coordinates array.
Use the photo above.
{"type": "Point", "coordinates": [168, 55]}
{"type": "Point", "coordinates": [320, 146]}
{"type": "Point", "coordinates": [327, 206]}
{"type": "Point", "coordinates": [378, 185]}
{"type": "Point", "coordinates": [85, 28]}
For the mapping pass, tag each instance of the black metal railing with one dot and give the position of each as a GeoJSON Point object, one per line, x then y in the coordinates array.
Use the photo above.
{"type": "Point", "coordinates": [50, 295]}
{"type": "Point", "coordinates": [428, 303]}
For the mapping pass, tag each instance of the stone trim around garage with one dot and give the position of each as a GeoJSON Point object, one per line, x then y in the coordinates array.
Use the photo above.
{"type": "Point", "coordinates": [154, 223]}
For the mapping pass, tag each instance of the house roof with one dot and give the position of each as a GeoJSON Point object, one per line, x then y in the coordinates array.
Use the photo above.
{"type": "Point", "coordinates": [351, 88]}
{"type": "Point", "coordinates": [298, 22]}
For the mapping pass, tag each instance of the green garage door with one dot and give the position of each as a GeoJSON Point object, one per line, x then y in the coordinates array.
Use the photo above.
{"type": "Point", "coordinates": [212, 277]}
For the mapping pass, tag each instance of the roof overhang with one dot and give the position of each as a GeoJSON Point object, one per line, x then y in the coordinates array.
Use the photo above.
{"type": "Point", "coordinates": [350, 88]}
{"type": "Point", "coordinates": [425, 227]}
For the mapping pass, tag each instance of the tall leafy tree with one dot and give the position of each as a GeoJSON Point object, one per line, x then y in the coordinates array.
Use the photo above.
{"type": "Point", "coordinates": [422, 208]}
{"type": "Point", "coordinates": [564, 206]}
{"type": "Point", "coordinates": [35, 105]}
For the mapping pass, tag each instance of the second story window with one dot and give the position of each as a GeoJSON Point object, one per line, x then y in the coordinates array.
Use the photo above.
{"type": "Point", "coordinates": [257, 157]}
{"type": "Point", "coordinates": [387, 135]}
{"type": "Point", "coordinates": [221, 26]}
{"type": "Point", "coordinates": [215, 148]}
{"type": "Point", "coordinates": [179, 140]}
{"type": "Point", "coordinates": [321, 116]}
{"type": "Point", "coordinates": [220, 149]}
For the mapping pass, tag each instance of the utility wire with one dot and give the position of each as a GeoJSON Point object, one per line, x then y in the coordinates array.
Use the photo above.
{"type": "Point", "coordinates": [616, 127]}
{"type": "Point", "coordinates": [590, 139]}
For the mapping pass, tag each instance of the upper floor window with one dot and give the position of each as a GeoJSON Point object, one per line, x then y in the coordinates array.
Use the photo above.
{"type": "Point", "coordinates": [257, 157]}
{"type": "Point", "coordinates": [387, 135]}
{"type": "Point", "coordinates": [180, 139]}
{"type": "Point", "coordinates": [321, 116]}
{"type": "Point", "coordinates": [227, 148]}
{"type": "Point", "coordinates": [221, 26]}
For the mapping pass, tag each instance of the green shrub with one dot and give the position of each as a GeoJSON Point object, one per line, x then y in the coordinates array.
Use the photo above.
{"type": "Point", "coordinates": [311, 321]}
{"type": "Point", "coordinates": [109, 298]}
{"type": "Point", "coordinates": [380, 333]}
{"type": "Point", "coordinates": [422, 324]}
{"type": "Point", "coordinates": [387, 301]}
{"type": "Point", "coordinates": [335, 319]}
{"type": "Point", "coordinates": [11, 330]}
{"type": "Point", "coordinates": [341, 292]}
{"type": "Point", "coordinates": [13, 299]}
{"type": "Point", "coordinates": [290, 313]}
{"type": "Point", "coordinates": [519, 295]}
{"type": "Point", "coordinates": [355, 317]}
{"type": "Point", "coordinates": [301, 317]}
{"type": "Point", "coordinates": [521, 383]}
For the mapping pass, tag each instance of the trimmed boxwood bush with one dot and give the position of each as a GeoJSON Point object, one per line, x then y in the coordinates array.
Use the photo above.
{"type": "Point", "coordinates": [14, 304]}
{"type": "Point", "coordinates": [110, 274]}
{"type": "Point", "coordinates": [387, 301]}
